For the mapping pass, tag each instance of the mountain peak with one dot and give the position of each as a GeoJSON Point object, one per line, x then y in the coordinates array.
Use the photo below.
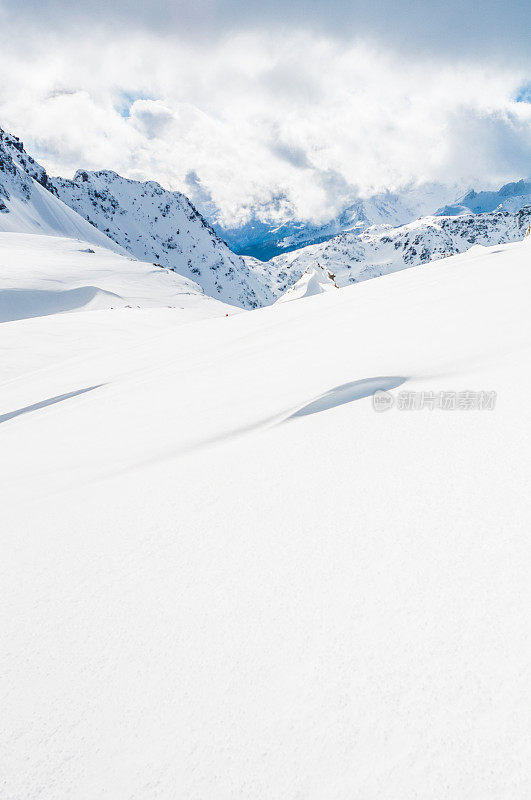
{"type": "Point", "coordinates": [162, 226]}
{"type": "Point", "coordinates": [29, 202]}
{"type": "Point", "coordinates": [510, 197]}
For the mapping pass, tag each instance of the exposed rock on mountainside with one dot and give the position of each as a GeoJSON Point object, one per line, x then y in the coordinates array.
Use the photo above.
{"type": "Point", "coordinates": [158, 225]}
{"type": "Point", "coordinates": [352, 257]}
{"type": "Point", "coordinates": [264, 240]}
{"type": "Point", "coordinates": [28, 201]}
{"type": "Point", "coordinates": [142, 219]}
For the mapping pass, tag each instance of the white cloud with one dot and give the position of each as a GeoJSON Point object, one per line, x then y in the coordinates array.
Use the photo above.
{"type": "Point", "coordinates": [256, 117]}
{"type": "Point", "coordinates": [151, 118]}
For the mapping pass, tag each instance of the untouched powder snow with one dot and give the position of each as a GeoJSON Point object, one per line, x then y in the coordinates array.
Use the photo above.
{"type": "Point", "coordinates": [224, 575]}
{"type": "Point", "coordinates": [41, 275]}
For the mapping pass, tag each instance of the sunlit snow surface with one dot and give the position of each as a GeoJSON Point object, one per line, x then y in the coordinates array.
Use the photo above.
{"type": "Point", "coordinates": [218, 583]}
{"type": "Point", "coordinates": [41, 275]}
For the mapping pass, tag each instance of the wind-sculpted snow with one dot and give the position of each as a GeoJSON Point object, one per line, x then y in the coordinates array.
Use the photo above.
{"type": "Point", "coordinates": [352, 258]}
{"type": "Point", "coordinates": [225, 576]}
{"type": "Point", "coordinates": [43, 275]}
{"type": "Point", "coordinates": [163, 227]}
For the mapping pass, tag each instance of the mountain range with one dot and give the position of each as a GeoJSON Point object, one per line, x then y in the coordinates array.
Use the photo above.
{"type": "Point", "coordinates": [511, 197]}
{"type": "Point", "coordinates": [351, 258]}
{"type": "Point", "coordinates": [266, 240]}
{"type": "Point", "coordinates": [162, 228]}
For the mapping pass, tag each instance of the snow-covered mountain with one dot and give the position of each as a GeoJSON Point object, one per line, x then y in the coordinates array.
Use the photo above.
{"type": "Point", "coordinates": [53, 260]}
{"type": "Point", "coordinates": [29, 202]}
{"type": "Point", "coordinates": [353, 257]}
{"type": "Point", "coordinates": [314, 280]}
{"type": "Point", "coordinates": [511, 197]}
{"type": "Point", "coordinates": [126, 216]}
{"type": "Point", "coordinates": [265, 240]}
{"type": "Point", "coordinates": [161, 226]}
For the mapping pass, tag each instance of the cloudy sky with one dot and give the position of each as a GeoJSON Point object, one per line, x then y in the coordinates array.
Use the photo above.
{"type": "Point", "coordinates": [272, 108]}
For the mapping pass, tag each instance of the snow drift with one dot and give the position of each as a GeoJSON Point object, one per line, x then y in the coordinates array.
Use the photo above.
{"type": "Point", "coordinates": [42, 275]}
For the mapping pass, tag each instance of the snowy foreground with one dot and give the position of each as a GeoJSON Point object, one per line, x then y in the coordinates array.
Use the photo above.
{"type": "Point", "coordinates": [224, 575]}
{"type": "Point", "coordinates": [42, 275]}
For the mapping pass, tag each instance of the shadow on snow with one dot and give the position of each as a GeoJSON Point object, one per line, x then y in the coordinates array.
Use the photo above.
{"type": "Point", "coordinates": [49, 402]}
{"type": "Point", "coordinates": [347, 393]}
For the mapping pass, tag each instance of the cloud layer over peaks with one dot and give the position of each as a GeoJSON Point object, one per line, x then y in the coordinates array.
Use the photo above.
{"type": "Point", "coordinates": [274, 118]}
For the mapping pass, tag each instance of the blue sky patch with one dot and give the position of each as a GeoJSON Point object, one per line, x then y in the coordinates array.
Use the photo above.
{"type": "Point", "coordinates": [523, 94]}
{"type": "Point", "coordinates": [126, 100]}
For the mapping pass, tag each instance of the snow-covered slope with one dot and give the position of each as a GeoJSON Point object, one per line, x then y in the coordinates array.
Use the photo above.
{"type": "Point", "coordinates": [29, 204]}
{"type": "Point", "coordinates": [42, 275]}
{"type": "Point", "coordinates": [224, 575]}
{"type": "Point", "coordinates": [511, 197]}
{"type": "Point", "coordinates": [376, 251]}
{"type": "Point", "coordinates": [163, 227]}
